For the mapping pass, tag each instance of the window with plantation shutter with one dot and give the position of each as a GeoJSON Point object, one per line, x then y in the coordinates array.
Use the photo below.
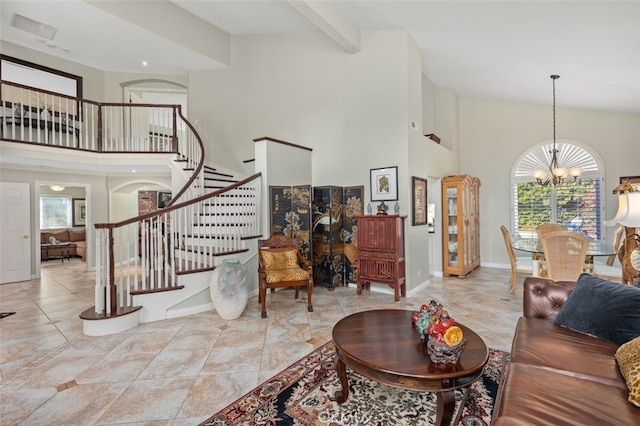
{"type": "Point", "coordinates": [576, 204]}
{"type": "Point", "coordinates": [55, 212]}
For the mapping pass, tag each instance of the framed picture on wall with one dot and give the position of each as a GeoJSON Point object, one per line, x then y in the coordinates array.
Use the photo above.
{"type": "Point", "coordinates": [163, 198]}
{"type": "Point", "coordinates": [384, 184]}
{"type": "Point", "coordinates": [633, 180]}
{"type": "Point", "coordinates": [79, 213]}
{"type": "Point", "coordinates": [419, 201]}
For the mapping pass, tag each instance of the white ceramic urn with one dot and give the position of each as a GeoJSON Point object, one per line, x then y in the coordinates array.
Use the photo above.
{"type": "Point", "coordinates": [229, 289]}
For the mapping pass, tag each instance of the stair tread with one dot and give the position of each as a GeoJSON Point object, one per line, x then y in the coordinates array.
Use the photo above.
{"type": "Point", "coordinates": [90, 314]}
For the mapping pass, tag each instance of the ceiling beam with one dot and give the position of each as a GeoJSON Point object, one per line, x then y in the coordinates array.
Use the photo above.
{"type": "Point", "coordinates": [169, 21]}
{"type": "Point", "coordinates": [326, 17]}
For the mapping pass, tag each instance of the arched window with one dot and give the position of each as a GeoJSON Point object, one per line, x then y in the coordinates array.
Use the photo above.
{"type": "Point", "coordinates": [577, 204]}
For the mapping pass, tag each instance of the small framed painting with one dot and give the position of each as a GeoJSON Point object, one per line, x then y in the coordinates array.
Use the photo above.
{"type": "Point", "coordinates": [79, 213]}
{"type": "Point", "coordinates": [419, 201]}
{"type": "Point", "coordinates": [384, 184]}
{"type": "Point", "coordinates": [163, 198]}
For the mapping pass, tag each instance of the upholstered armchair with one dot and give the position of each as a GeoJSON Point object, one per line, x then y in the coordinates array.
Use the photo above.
{"type": "Point", "coordinates": [280, 264]}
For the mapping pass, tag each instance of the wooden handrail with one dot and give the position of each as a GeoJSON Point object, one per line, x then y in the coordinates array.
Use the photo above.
{"type": "Point", "coordinates": [177, 206]}
{"type": "Point", "coordinates": [198, 169]}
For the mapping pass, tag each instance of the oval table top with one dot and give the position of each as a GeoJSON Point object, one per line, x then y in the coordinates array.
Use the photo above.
{"type": "Point", "coordinates": [385, 345]}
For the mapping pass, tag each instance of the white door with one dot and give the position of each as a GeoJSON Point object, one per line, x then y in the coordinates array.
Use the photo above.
{"type": "Point", "coordinates": [15, 238]}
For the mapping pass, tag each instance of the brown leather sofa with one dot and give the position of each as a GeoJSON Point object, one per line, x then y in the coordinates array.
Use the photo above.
{"type": "Point", "coordinates": [77, 238]}
{"type": "Point", "coordinates": [558, 376]}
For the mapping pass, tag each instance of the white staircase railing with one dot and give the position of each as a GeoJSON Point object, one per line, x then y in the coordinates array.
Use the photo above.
{"type": "Point", "coordinates": [147, 253]}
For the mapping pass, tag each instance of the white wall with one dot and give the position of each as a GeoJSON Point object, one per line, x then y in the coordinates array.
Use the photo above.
{"type": "Point", "coordinates": [305, 89]}
{"type": "Point", "coordinates": [93, 79]}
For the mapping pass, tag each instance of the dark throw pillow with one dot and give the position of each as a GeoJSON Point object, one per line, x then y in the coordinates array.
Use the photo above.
{"type": "Point", "coordinates": [603, 309]}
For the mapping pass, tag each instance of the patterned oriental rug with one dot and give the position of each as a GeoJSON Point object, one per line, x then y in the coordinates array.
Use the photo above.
{"type": "Point", "coordinates": [300, 394]}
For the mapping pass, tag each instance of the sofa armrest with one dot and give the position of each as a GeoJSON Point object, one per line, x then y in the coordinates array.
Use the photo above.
{"type": "Point", "coordinates": [543, 297]}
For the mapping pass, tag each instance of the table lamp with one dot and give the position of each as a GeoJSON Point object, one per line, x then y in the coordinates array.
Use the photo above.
{"type": "Point", "coordinates": [629, 216]}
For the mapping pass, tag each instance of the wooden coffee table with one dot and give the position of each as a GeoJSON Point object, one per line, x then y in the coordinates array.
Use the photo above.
{"type": "Point", "coordinates": [385, 346]}
{"type": "Point", "coordinates": [65, 252]}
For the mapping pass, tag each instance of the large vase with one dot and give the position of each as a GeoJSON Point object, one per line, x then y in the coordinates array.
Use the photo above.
{"type": "Point", "coordinates": [229, 289]}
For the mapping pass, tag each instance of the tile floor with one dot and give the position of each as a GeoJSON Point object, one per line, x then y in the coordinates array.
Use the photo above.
{"type": "Point", "coordinates": [180, 371]}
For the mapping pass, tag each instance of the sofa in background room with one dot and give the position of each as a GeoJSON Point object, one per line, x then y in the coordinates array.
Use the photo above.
{"type": "Point", "coordinates": [77, 238]}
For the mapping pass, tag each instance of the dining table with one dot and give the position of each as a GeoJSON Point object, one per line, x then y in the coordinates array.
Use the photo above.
{"type": "Point", "coordinates": [534, 246]}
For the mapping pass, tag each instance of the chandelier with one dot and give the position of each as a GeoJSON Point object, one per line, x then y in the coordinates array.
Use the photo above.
{"type": "Point", "coordinates": [555, 174]}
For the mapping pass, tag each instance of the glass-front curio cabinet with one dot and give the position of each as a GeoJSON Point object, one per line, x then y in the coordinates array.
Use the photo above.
{"type": "Point", "coordinates": [460, 225]}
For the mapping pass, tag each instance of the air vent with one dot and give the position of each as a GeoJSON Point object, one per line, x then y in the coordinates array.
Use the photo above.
{"type": "Point", "coordinates": [34, 27]}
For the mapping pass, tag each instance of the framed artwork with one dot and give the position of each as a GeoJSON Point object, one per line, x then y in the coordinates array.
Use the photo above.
{"type": "Point", "coordinates": [633, 180]}
{"type": "Point", "coordinates": [384, 184]}
{"type": "Point", "coordinates": [79, 213]}
{"type": "Point", "coordinates": [419, 201]}
{"type": "Point", "coordinates": [163, 198]}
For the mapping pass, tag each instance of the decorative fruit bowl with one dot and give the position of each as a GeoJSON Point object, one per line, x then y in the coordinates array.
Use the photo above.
{"type": "Point", "coordinates": [445, 340]}
{"type": "Point", "coordinates": [445, 354]}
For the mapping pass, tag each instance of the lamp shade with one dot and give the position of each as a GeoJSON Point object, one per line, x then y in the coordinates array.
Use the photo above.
{"type": "Point", "coordinates": [628, 211]}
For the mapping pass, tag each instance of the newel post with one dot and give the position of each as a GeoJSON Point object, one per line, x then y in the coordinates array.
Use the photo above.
{"type": "Point", "coordinates": [113, 294]}
{"type": "Point", "coordinates": [174, 140]}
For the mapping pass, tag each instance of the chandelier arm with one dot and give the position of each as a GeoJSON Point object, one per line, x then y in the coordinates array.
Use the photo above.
{"type": "Point", "coordinates": [556, 174]}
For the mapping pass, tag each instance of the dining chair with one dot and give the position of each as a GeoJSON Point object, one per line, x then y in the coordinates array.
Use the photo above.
{"type": "Point", "coordinates": [611, 269]}
{"type": "Point", "coordinates": [545, 228]}
{"type": "Point", "coordinates": [565, 254]}
{"type": "Point", "coordinates": [521, 264]}
{"type": "Point", "coordinates": [541, 230]}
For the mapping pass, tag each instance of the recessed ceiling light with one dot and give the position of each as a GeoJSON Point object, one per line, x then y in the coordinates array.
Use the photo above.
{"type": "Point", "coordinates": [34, 27]}
{"type": "Point", "coordinates": [133, 171]}
{"type": "Point", "coordinates": [145, 64]}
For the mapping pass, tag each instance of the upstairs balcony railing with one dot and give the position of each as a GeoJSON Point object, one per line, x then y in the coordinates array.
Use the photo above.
{"type": "Point", "coordinates": [34, 116]}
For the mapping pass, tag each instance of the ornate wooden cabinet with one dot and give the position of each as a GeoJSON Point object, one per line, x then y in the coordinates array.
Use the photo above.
{"type": "Point", "coordinates": [381, 252]}
{"type": "Point", "coordinates": [460, 225]}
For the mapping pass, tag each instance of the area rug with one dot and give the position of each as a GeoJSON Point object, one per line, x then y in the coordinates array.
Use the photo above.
{"type": "Point", "coordinates": [300, 396]}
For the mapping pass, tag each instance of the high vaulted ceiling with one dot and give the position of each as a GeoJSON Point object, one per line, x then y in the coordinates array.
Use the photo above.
{"type": "Point", "coordinates": [495, 50]}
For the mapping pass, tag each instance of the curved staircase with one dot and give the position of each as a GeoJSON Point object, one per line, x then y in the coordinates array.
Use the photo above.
{"type": "Point", "coordinates": [157, 265]}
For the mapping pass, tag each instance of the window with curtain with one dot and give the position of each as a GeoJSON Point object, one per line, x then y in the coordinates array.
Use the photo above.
{"type": "Point", "coordinates": [55, 212]}
{"type": "Point", "coordinates": [574, 204]}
